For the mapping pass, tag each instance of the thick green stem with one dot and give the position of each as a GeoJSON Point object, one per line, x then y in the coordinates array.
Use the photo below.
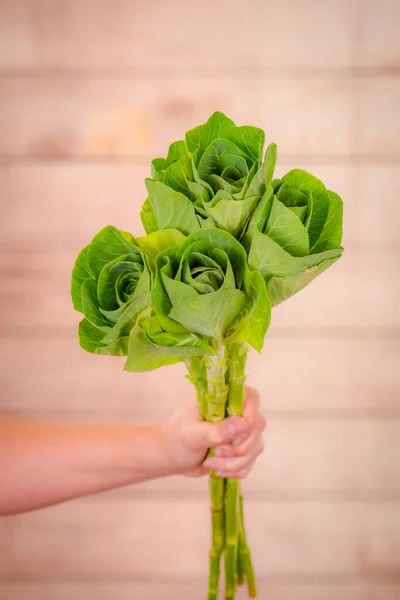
{"type": "Point", "coordinates": [197, 374]}
{"type": "Point", "coordinates": [246, 556]}
{"type": "Point", "coordinates": [210, 376]}
{"type": "Point", "coordinates": [239, 566]}
{"type": "Point", "coordinates": [237, 535]}
{"type": "Point", "coordinates": [236, 377]}
{"type": "Point", "coordinates": [216, 406]}
{"type": "Point", "coordinates": [231, 537]}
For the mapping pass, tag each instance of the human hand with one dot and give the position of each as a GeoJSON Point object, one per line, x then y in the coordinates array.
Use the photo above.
{"type": "Point", "coordinates": [237, 441]}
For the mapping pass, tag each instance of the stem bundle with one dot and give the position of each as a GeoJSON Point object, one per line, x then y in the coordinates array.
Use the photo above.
{"type": "Point", "coordinates": [219, 381]}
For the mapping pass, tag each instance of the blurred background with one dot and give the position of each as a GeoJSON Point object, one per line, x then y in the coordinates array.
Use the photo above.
{"type": "Point", "coordinates": [90, 92]}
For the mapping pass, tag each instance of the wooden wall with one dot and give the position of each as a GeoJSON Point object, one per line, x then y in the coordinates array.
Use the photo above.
{"type": "Point", "coordinates": [89, 92]}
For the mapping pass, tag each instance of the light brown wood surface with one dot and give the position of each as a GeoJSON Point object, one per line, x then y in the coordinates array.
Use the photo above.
{"type": "Point", "coordinates": [89, 93]}
{"type": "Point", "coordinates": [144, 534]}
{"type": "Point", "coordinates": [62, 204]}
{"type": "Point", "coordinates": [358, 589]}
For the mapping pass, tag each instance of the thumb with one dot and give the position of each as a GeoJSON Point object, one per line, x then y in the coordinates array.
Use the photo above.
{"type": "Point", "coordinates": [209, 435]}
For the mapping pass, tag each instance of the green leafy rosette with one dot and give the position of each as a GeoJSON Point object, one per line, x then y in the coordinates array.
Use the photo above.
{"type": "Point", "coordinates": [224, 242]}
{"type": "Point", "coordinates": [295, 233]}
{"type": "Point", "coordinates": [111, 286]}
{"type": "Point", "coordinates": [203, 295]}
{"type": "Point", "coordinates": [215, 177]}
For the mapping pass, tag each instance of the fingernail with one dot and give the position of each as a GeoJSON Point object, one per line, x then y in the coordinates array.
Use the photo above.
{"type": "Point", "coordinates": [209, 463]}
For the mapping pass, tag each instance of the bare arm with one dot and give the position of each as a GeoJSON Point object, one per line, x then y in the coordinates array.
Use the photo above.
{"type": "Point", "coordinates": [45, 463]}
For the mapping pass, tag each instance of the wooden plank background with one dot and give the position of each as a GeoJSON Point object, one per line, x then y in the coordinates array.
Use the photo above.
{"type": "Point", "coordinates": [89, 93]}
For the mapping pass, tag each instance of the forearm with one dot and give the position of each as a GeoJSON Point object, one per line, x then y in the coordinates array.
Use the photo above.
{"type": "Point", "coordinates": [46, 463]}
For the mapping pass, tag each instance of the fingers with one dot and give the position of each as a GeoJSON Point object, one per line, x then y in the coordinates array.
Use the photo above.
{"type": "Point", "coordinates": [244, 444]}
{"type": "Point", "coordinates": [251, 404]}
{"type": "Point", "coordinates": [235, 429]}
{"type": "Point", "coordinates": [199, 471]}
{"type": "Point", "coordinates": [240, 474]}
{"type": "Point", "coordinates": [205, 435]}
{"type": "Point", "coordinates": [236, 466]}
{"type": "Point", "coordinates": [236, 459]}
{"type": "Point", "coordinates": [230, 461]}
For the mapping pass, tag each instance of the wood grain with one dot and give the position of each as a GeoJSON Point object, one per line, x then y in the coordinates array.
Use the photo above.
{"type": "Point", "coordinates": [139, 539]}
{"type": "Point", "coordinates": [174, 35]}
{"type": "Point", "coordinates": [122, 590]}
{"type": "Point", "coordinates": [377, 131]}
{"type": "Point", "coordinates": [378, 43]}
{"type": "Point", "coordinates": [94, 117]}
{"type": "Point", "coordinates": [54, 374]}
{"type": "Point", "coordinates": [90, 91]}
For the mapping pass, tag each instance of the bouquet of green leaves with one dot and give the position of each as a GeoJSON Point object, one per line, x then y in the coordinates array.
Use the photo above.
{"type": "Point", "coordinates": [224, 243]}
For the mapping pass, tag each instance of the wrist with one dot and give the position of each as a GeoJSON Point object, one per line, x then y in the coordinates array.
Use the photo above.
{"type": "Point", "coordinates": [168, 439]}
{"type": "Point", "coordinates": [141, 453]}
{"type": "Point", "coordinates": [160, 451]}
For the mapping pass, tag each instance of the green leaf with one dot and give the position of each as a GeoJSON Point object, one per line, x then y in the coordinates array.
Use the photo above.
{"type": "Point", "coordinates": [270, 162]}
{"type": "Point", "coordinates": [244, 184]}
{"type": "Point", "coordinates": [293, 198]}
{"type": "Point", "coordinates": [90, 305]}
{"type": "Point", "coordinates": [331, 235]}
{"type": "Point", "coordinates": [165, 260]}
{"type": "Point", "coordinates": [177, 290]}
{"type": "Point", "coordinates": [218, 183]}
{"type": "Point", "coordinates": [179, 344]}
{"type": "Point", "coordinates": [229, 214]}
{"type": "Point", "coordinates": [147, 217]}
{"type": "Point", "coordinates": [159, 165]}
{"type": "Point", "coordinates": [143, 355]}
{"type": "Point", "coordinates": [128, 318]}
{"type": "Point", "coordinates": [267, 257]}
{"type": "Point", "coordinates": [315, 259]}
{"type": "Point", "coordinates": [303, 181]}
{"type": "Point", "coordinates": [251, 324]}
{"type": "Point", "coordinates": [175, 177]}
{"type": "Point", "coordinates": [285, 228]}
{"type": "Point", "coordinates": [176, 151]}
{"type": "Point", "coordinates": [217, 238]}
{"type": "Point", "coordinates": [281, 288]}
{"type": "Point", "coordinates": [130, 267]}
{"type": "Point", "coordinates": [202, 136]}
{"type": "Point", "coordinates": [260, 215]}
{"type": "Point", "coordinates": [264, 174]}
{"type": "Point", "coordinates": [158, 241]}
{"type": "Point", "coordinates": [90, 337]}
{"type": "Point", "coordinates": [209, 314]}
{"type": "Point", "coordinates": [171, 209]}
{"type": "Point", "coordinates": [81, 273]}
{"type": "Point", "coordinates": [249, 139]}
{"type": "Point", "coordinates": [143, 287]}
{"type": "Point", "coordinates": [118, 347]}
{"type": "Point", "coordinates": [197, 179]}
{"type": "Point", "coordinates": [109, 244]}
{"type": "Point", "coordinates": [220, 154]}
{"type": "Point", "coordinates": [198, 192]}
